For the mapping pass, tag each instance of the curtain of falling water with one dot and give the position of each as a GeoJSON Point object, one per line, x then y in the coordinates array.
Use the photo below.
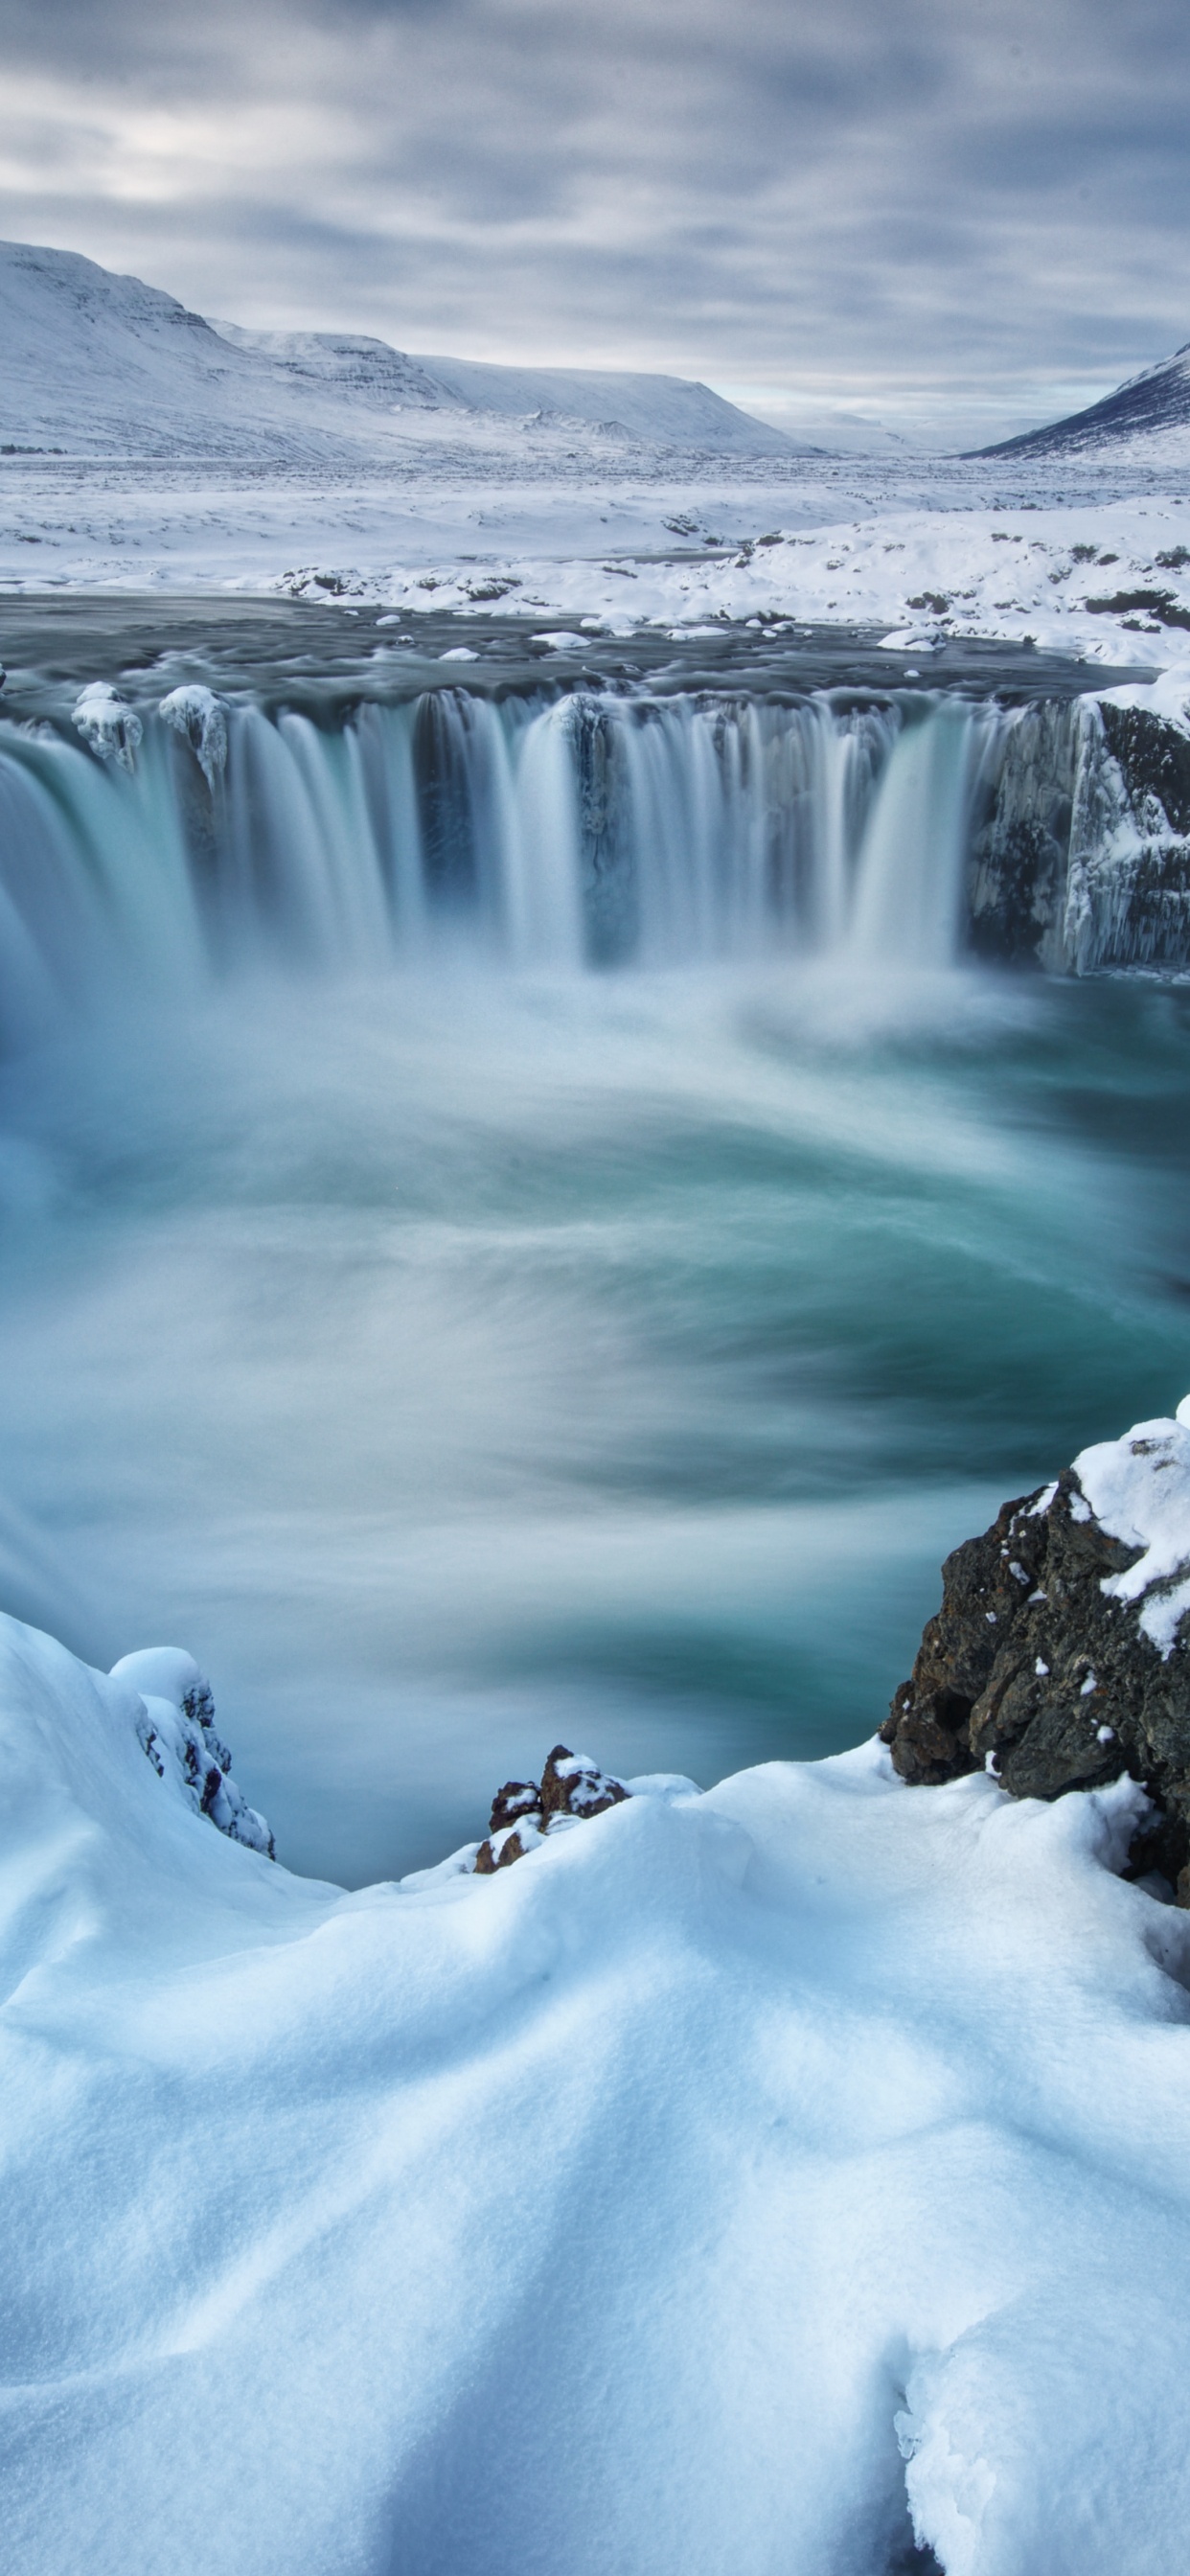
{"type": "Point", "coordinates": [583, 830]}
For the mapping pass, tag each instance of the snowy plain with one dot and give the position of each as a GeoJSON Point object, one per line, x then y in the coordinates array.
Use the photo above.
{"type": "Point", "coordinates": [766, 2178]}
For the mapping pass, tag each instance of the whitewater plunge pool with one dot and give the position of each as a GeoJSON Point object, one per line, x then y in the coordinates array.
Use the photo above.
{"type": "Point", "coordinates": [521, 1215]}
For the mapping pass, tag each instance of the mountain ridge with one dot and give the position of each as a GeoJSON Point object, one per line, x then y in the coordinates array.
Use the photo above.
{"type": "Point", "coordinates": [1146, 407]}
{"type": "Point", "coordinates": [98, 364]}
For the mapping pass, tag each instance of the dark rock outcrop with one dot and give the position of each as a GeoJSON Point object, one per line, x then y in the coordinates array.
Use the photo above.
{"type": "Point", "coordinates": [1020, 852]}
{"type": "Point", "coordinates": [1033, 1670]}
{"type": "Point", "coordinates": [524, 1812]}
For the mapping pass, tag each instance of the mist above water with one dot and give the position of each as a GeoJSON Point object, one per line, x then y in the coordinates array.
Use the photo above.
{"type": "Point", "coordinates": [455, 1360]}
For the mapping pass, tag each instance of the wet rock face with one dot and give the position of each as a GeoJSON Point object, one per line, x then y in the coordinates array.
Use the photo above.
{"type": "Point", "coordinates": [1080, 856]}
{"type": "Point", "coordinates": [572, 1788]}
{"type": "Point", "coordinates": [1154, 759]}
{"type": "Point", "coordinates": [1016, 879]}
{"type": "Point", "coordinates": [1030, 1668]}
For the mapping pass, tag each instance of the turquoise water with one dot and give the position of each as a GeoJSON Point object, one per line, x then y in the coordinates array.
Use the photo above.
{"type": "Point", "coordinates": [454, 1361]}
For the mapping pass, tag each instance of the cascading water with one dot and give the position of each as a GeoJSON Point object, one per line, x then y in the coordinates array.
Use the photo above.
{"type": "Point", "coordinates": [583, 828]}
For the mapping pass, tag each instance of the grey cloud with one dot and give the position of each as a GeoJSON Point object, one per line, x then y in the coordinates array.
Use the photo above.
{"type": "Point", "coordinates": [895, 194]}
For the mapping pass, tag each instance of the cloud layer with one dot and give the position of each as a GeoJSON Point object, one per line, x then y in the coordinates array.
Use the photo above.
{"type": "Point", "coordinates": [936, 208]}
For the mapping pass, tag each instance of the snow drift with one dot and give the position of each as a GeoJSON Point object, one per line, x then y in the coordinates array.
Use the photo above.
{"type": "Point", "coordinates": [751, 2180]}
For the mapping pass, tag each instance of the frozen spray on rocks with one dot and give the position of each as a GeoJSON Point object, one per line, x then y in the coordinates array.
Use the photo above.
{"type": "Point", "coordinates": [1060, 1658]}
{"type": "Point", "coordinates": [175, 1724]}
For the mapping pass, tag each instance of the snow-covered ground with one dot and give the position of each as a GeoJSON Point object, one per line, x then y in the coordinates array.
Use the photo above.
{"type": "Point", "coordinates": [737, 2177]}
{"type": "Point", "coordinates": [1108, 579]}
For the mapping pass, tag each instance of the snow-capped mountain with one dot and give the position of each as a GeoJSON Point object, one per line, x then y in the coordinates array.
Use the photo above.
{"type": "Point", "coordinates": [1152, 411]}
{"type": "Point", "coordinates": [97, 364]}
{"type": "Point", "coordinates": [651, 410]}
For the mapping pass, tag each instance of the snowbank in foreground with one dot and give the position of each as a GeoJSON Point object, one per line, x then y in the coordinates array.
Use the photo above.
{"type": "Point", "coordinates": [737, 2175]}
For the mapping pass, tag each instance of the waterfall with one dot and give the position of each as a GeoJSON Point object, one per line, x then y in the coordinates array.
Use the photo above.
{"type": "Point", "coordinates": [908, 889]}
{"type": "Point", "coordinates": [539, 831]}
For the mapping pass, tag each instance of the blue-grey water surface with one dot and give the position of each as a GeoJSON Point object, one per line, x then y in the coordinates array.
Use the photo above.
{"type": "Point", "coordinates": [456, 1361]}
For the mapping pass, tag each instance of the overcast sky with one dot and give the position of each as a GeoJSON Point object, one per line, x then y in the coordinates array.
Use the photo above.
{"type": "Point", "coordinates": [974, 213]}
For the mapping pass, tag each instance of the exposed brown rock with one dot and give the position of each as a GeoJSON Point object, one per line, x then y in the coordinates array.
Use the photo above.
{"type": "Point", "coordinates": [573, 1785]}
{"type": "Point", "coordinates": [516, 1798]}
{"type": "Point", "coordinates": [1029, 1663]}
{"type": "Point", "coordinates": [522, 1813]}
{"type": "Point", "coordinates": [503, 1847]}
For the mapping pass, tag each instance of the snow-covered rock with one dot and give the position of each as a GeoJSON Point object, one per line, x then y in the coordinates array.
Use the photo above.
{"type": "Point", "coordinates": [571, 1790]}
{"type": "Point", "coordinates": [1139, 1490]}
{"type": "Point", "coordinates": [195, 712]}
{"type": "Point", "coordinates": [177, 1731]}
{"type": "Point", "coordinates": [109, 727]}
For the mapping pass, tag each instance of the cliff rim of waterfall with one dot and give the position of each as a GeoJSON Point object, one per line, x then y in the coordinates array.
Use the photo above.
{"type": "Point", "coordinates": [546, 810]}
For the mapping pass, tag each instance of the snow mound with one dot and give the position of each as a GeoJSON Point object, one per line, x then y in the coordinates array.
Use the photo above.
{"type": "Point", "coordinates": [795, 2169]}
{"type": "Point", "coordinates": [1139, 1489]}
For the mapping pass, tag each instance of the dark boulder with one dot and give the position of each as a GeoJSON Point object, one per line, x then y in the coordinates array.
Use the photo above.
{"type": "Point", "coordinates": [1032, 1669]}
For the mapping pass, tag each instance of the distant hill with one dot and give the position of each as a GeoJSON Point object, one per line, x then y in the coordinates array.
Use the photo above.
{"type": "Point", "coordinates": [96, 364]}
{"type": "Point", "coordinates": [651, 410]}
{"type": "Point", "coordinates": [1150, 411]}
